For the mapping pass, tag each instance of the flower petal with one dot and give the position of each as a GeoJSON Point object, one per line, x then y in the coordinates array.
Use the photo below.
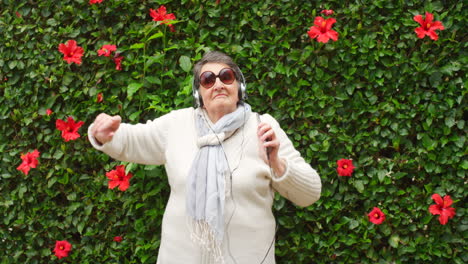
{"type": "Point", "coordinates": [443, 219]}
{"type": "Point", "coordinates": [24, 168]}
{"type": "Point", "coordinates": [447, 201]}
{"type": "Point", "coordinates": [420, 32]}
{"type": "Point", "coordinates": [162, 10]}
{"type": "Point", "coordinates": [437, 199]}
{"type": "Point", "coordinates": [124, 185]}
{"type": "Point", "coordinates": [419, 19]}
{"type": "Point", "coordinates": [451, 212]}
{"type": "Point", "coordinates": [60, 125]}
{"type": "Point", "coordinates": [437, 25]}
{"type": "Point", "coordinates": [113, 184]}
{"type": "Point", "coordinates": [334, 36]}
{"type": "Point", "coordinates": [432, 34]}
{"type": "Point", "coordinates": [112, 175]}
{"type": "Point", "coordinates": [35, 154]}
{"type": "Point", "coordinates": [435, 209]}
{"type": "Point", "coordinates": [63, 48]}
{"type": "Point", "coordinates": [329, 23]}
{"type": "Point", "coordinates": [313, 32]}
{"type": "Point", "coordinates": [318, 21]}
{"type": "Point", "coordinates": [429, 18]}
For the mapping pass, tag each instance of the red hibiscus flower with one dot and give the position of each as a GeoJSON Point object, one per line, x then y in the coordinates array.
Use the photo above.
{"type": "Point", "coordinates": [118, 239]}
{"type": "Point", "coordinates": [29, 161]}
{"type": "Point", "coordinates": [345, 167]}
{"type": "Point", "coordinates": [376, 216]}
{"type": "Point", "coordinates": [327, 12]}
{"type": "Point", "coordinates": [99, 98]}
{"type": "Point", "coordinates": [118, 61]}
{"type": "Point", "coordinates": [62, 248]}
{"type": "Point", "coordinates": [162, 15]}
{"type": "Point", "coordinates": [428, 27]}
{"type": "Point", "coordinates": [118, 177]}
{"type": "Point", "coordinates": [322, 30]}
{"type": "Point", "coordinates": [69, 129]}
{"type": "Point", "coordinates": [106, 50]}
{"type": "Point", "coordinates": [442, 208]}
{"type": "Point", "coordinates": [48, 112]}
{"type": "Point", "coordinates": [71, 52]}
{"type": "Point", "coordinates": [92, 2]}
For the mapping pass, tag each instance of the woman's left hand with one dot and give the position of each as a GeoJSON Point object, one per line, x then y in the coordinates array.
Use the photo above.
{"type": "Point", "coordinates": [270, 145]}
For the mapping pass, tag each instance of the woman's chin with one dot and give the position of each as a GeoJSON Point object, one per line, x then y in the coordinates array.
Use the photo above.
{"type": "Point", "coordinates": [222, 103]}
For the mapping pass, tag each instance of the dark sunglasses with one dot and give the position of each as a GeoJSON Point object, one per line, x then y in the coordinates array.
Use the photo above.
{"type": "Point", "coordinates": [208, 78]}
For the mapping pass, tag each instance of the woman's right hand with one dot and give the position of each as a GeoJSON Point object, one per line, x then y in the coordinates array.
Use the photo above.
{"type": "Point", "coordinates": [104, 127]}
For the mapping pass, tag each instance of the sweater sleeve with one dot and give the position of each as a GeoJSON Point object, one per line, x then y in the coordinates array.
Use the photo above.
{"type": "Point", "coordinates": [300, 183]}
{"type": "Point", "coordinates": [140, 143]}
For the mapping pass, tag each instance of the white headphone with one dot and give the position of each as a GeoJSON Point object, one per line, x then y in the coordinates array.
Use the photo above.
{"type": "Point", "coordinates": [242, 90]}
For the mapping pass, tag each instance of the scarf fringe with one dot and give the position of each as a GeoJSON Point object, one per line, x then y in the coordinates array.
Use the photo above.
{"type": "Point", "coordinates": [202, 234]}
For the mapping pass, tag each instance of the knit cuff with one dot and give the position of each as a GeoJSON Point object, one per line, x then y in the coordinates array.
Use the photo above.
{"type": "Point", "coordinates": [279, 178]}
{"type": "Point", "coordinates": [301, 188]}
{"type": "Point", "coordinates": [109, 147]}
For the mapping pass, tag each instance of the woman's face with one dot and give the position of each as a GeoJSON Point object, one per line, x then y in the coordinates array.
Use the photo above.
{"type": "Point", "coordinates": [221, 97]}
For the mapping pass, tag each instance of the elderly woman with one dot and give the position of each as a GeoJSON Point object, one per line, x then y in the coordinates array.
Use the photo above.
{"type": "Point", "coordinates": [224, 165]}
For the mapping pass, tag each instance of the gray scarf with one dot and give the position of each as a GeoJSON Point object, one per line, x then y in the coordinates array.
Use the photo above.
{"type": "Point", "coordinates": [206, 179]}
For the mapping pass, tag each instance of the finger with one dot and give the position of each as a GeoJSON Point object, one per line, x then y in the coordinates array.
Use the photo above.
{"type": "Point", "coordinates": [96, 124]}
{"type": "Point", "coordinates": [101, 128]}
{"type": "Point", "coordinates": [272, 148]}
{"type": "Point", "coordinates": [116, 120]}
{"type": "Point", "coordinates": [269, 135]}
{"type": "Point", "coordinates": [112, 124]}
{"type": "Point", "coordinates": [106, 123]}
{"type": "Point", "coordinates": [262, 127]}
{"type": "Point", "coordinates": [274, 144]}
{"type": "Point", "coordinates": [99, 122]}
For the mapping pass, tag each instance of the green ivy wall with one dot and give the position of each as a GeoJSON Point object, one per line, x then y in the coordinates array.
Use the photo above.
{"type": "Point", "coordinates": [393, 103]}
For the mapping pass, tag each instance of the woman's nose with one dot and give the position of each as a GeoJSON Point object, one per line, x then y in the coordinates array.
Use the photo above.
{"type": "Point", "coordinates": [218, 84]}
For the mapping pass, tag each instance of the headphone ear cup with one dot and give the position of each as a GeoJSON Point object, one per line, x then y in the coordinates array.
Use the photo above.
{"type": "Point", "coordinates": [243, 90]}
{"type": "Point", "coordinates": [243, 87]}
{"type": "Point", "coordinates": [196, 98]}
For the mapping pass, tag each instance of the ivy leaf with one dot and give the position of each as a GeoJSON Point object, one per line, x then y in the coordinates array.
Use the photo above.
{"type": "Point", "coordinates": [394, 240]}
{"type": "Point", "coordinates": [449, 121]}
{"type": "Point", "coordinates": [359, 186]}
{"type": "Point", "coordinates": [133, 88]}
{"type": "Point", "coordinates": [157, 35]}
{"type": "Point", "coordinates": [428, 143]}
{"type": "Point", "coordinates": [185, 63]}
{"type": "Point", "coordinates": [137, 46]}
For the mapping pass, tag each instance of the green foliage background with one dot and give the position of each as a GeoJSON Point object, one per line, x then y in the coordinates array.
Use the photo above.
{"type": "Point", "coordinates": [393, 103]}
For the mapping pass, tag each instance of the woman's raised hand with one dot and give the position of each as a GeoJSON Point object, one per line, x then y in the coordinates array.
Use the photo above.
{"type": "Point", "coordinates": [104, 127]}
{"type": "Point", "coordinates": [271, 144]}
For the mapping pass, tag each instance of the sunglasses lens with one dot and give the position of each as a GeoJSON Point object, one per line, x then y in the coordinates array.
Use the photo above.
{"type": "Point", "coordinates": [207, 79]}
{"type": "Point", "coordinates": [227, 76]}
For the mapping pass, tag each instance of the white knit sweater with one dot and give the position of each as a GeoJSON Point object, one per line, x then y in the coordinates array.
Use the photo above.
{"type": "Point", "coordinates": [250, 225]}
